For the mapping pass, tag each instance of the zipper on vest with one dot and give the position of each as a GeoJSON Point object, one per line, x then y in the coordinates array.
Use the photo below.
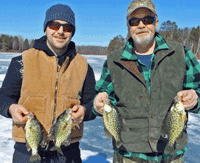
{"type": "Point", "coordinates": [56, 91]}
{"type": "Point", "coordinates": [64, 66]}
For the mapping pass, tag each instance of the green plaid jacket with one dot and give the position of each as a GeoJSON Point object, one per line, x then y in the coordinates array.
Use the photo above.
{"type": "Point", "coordinates": [191, 80]}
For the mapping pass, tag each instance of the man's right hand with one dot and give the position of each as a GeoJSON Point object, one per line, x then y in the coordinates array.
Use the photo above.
{"type": "Point", "coordinates": [18, 113]}
{"type": "Point", "coordinates": [99, 102]}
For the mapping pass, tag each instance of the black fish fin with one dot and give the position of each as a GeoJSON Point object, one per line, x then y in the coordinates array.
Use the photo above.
{"type": "Point", "coordinates": [169, 149]}
{"type": "Point", "coordinates": [54, 148]}
{"type": "Point", "coordinates": [28, 146]}
{"type": "Point", "coordinates": [118, 144]}
{"type": "Point", "coordinates": [66, 143]}
{"type": "Point", "coordinates": [45, 141]}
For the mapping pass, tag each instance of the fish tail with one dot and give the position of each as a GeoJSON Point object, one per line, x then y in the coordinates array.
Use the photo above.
{"type": "Point", "coordinates": [57, 149]}
{"type": "Point", "coordinates": [169, 149]}
{"type": "Point", "coordinates": [35, 157]}
{"type": "Point", "coordinates": [118, 141]}
{"type": "Point", "coordinates": [118, 144]}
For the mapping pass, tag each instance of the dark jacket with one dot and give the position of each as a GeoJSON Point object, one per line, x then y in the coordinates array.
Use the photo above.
{"type": "Point", "coordinates": [10, 90]}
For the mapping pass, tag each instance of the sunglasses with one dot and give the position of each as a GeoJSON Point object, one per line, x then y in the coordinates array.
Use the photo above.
{"type": "Point", "coordinates": [146, 20]}
{"type": "Point", "coordinates": [56, 26]}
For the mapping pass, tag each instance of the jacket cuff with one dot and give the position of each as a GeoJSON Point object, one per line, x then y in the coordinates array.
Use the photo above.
{"type": "Point", "coordinates": [89, 115]}
{"type": "Point", "coordinates": [5, 110]}
{"type": "Point", "coordinates": [94, 110]}
{"type": "Point", "coordinates": [196, 108]}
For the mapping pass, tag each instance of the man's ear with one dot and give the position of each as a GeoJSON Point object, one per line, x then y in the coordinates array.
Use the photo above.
{"type": "Point", "coordinates": [157, 20]}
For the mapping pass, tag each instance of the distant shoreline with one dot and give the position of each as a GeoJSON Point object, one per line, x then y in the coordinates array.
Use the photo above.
{"type": "Point", "coordinates": [11, 52]}
{"type": "Point", "coordinates": [21, 52]}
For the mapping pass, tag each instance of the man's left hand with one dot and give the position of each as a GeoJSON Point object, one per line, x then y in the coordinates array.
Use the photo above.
{"type": "Point", "coordinates": [189, 98]}
{"type": "Point", "coordinates": [78, 113]}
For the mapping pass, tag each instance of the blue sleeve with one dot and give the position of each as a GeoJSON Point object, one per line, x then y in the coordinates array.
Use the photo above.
{"type": "Point", "coordinates": [88, 94]}
{"type": "Point", "coordinates": [11, 87]}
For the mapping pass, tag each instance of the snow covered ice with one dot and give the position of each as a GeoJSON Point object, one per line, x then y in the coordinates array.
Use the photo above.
{"type": "Point", "coordinates": [95, 146]}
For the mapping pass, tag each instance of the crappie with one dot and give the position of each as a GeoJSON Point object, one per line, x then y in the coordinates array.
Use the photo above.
{"type": "Point", "coordinates": [174, 124]}
{"type": "Point", "coordinates": [34, 132]}
{"type": "Point", "coordinates": [112, 122]}
{"type": "Point", "coordinates": [60, 131]}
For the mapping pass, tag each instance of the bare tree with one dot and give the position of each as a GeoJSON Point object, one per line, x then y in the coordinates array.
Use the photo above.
{"type": "Point", "coordinates": [21, 41]}
{"type": "Point", "coordinates": [15, 45]}
{"type": "Point", "coordinates": [191, 45]}
{"type": "Point", "coordinates": [198, 47]}
{"type": "Point", "coordinates": [186, 36]}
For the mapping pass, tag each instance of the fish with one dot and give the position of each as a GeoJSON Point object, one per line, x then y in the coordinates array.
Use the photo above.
{"type": "Point", "coordinates": [60, 132]}
{"type": "Point", "coordinates": [174, 125]}
{"type": "Point", "coordinates": [112, 122]}
{"type": "Point", "coordinates": [35, 136]}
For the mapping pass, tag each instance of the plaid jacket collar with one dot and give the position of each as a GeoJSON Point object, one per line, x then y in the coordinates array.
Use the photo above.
{"type": "Point", "coordinates": [129, 52]}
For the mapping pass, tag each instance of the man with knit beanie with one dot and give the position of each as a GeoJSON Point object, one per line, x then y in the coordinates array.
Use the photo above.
{"type": "Point", "coordinates": [48, 79]}
{"type": "Point", "coordinates": [141, 80]}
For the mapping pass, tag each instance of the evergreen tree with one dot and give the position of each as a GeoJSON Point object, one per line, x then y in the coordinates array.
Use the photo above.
{"type": "Point", "coordinates": [117, 42]}
{"type": "Point", "coordinates": [26, 44]}
{"type": "Point", "coordinates": [10, 43]}
{"type": "Point", "coordinates": [32, 43]}
{"type": "Point", "coordinates": [4, 42]}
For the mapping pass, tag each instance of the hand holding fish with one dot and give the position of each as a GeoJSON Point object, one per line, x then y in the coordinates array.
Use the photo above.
{"type": "Point", "coordinates": [99, 102]}
{"type": "Point", "coordinates": [189, 98]}
{"type": "Point", "coordinates": [78, 113]}
{"type": "Point", "coordinates": [18, 113]}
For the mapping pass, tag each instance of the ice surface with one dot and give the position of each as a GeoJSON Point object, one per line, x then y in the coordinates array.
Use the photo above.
{"type": "Point", "coordinates": [95, 146]}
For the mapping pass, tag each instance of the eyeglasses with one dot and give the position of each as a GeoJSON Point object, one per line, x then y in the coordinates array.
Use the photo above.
{"type": "Point", "coordinates": [56, 26]}
{"type": "Point", "coordinates": [146, 20]}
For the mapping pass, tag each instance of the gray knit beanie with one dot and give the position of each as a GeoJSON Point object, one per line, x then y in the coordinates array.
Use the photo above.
{"type": "Point", "coordinates": [60, 12]}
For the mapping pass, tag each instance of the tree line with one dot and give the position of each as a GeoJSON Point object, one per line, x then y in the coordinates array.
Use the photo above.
{"type": "Point", "coordinates": [14, 43]}
{"type": "Point", "coordinates": [19, 44]}
{"type": "Point", "coordinates": [189, 37]}
{"type": "Point", "coordinates": [92, 50]}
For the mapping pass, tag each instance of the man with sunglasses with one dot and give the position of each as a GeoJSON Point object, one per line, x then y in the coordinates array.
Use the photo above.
{"type": "Point", "coordinates": [46, 80]}
{"type": "Point", "coordinates": [141, 80]}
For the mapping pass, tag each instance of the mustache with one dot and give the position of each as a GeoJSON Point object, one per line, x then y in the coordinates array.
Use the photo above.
{"type": "Point", "coordinates": [141, 32]}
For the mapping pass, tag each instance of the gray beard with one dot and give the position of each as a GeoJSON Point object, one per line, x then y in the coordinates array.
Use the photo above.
{"type": "Point", "coordinates": [144, 41]}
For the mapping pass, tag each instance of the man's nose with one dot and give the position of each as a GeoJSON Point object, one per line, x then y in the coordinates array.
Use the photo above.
{"type": "Point", "coordinates": [141, 24]}
{"type": "Point", "coordinates": [61, 29]}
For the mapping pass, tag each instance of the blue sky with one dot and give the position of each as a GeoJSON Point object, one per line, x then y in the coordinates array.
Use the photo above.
{"type": "Point", "coordinates": [97, 22]}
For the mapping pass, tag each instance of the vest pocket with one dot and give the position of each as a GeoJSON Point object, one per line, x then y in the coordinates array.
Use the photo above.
{"type": "Point", "coordinates": [37, 105]}
{"type": "Point", "coordinates": [137, 130]}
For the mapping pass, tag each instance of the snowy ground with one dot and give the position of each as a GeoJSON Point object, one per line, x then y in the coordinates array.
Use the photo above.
{"type": "Point", "coordinates": [95, 146]}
